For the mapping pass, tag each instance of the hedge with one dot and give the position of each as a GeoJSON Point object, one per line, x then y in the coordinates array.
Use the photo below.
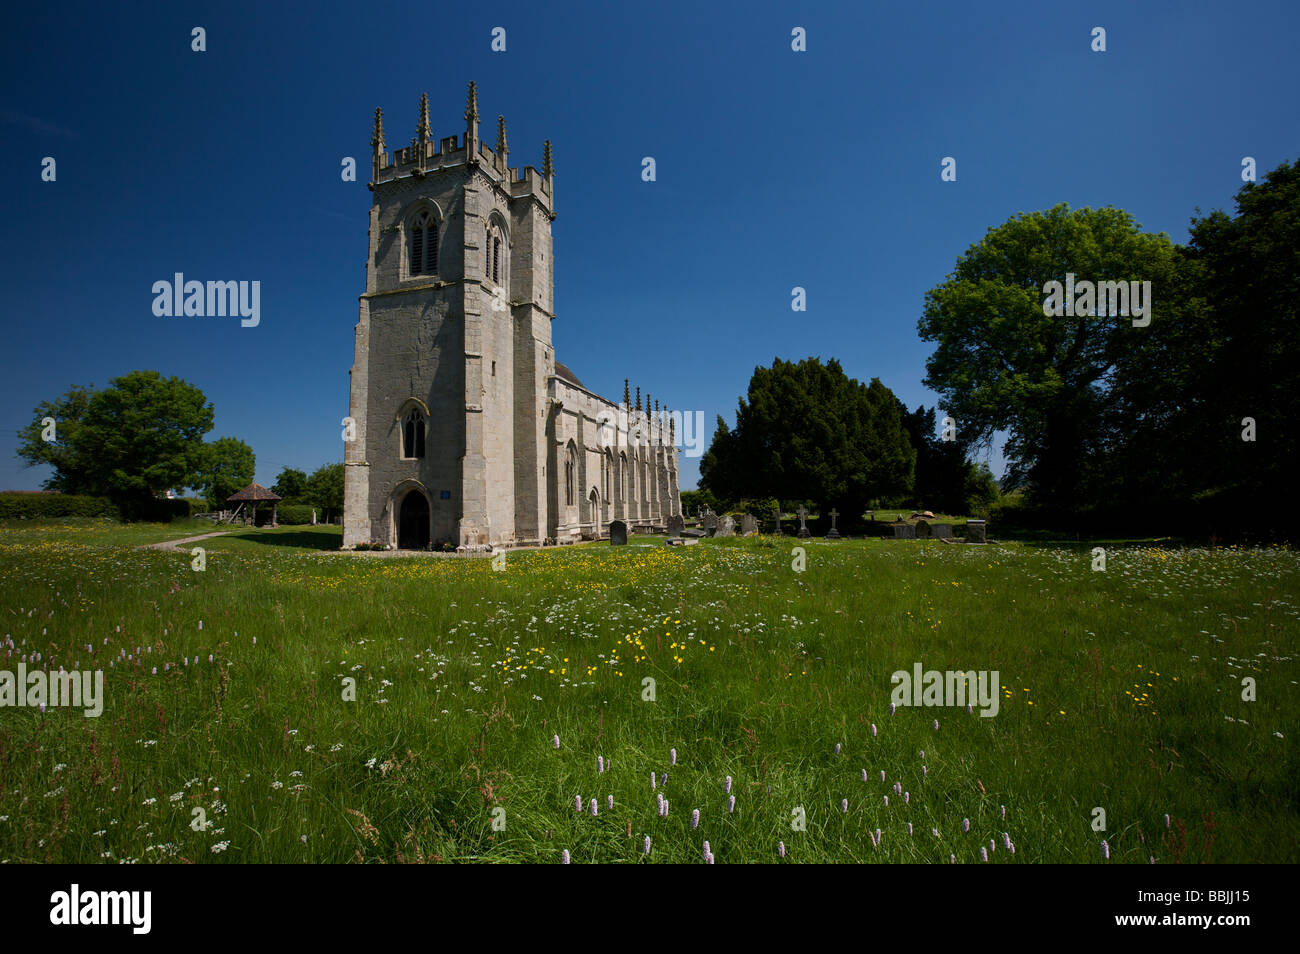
{"type": "Point", "coordinates": [295, 514]}
{"type": "Point", "coordinates": [31, 506]}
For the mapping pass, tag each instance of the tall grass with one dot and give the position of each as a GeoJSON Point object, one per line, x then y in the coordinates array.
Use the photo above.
{"type": "Point", "coordinates": [1121, 690]}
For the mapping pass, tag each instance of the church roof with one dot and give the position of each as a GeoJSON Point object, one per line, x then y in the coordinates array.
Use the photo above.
{"type": "Point", "coordinates": [562, 371]}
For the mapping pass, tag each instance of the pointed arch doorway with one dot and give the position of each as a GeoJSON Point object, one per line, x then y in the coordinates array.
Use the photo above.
{"type": "Point", "coordinates": [413, 523]}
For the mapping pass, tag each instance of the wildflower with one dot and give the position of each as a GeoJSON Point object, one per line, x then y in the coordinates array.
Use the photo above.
{"type": "Point", "coordinates": [907, 798]}
{"type": "Point", "coordinates": [837, 748]}
{"type": "Point", "coordinates": [726, 787]}
{"type": "Point", "coordinates": [935, 832]}
{"type": "Point", "coordinates": [303, 839]}
{"type": "Point", "coordinates": [844, 805]}
{"type": "Point", "coordinates": [1004, 812]}
{"type": "Point", "coordinates": [695, 819]}
{"type": "Point", "coordinates": [891, 708]}
{"type": "Point", "coordinates": [220, 847]}
{"type": "Point", "coordinates": [555, 740]}
{"type": "Point", "coordinates": [645, 846]}
{"type": "Point", "coordinates": [984, 853]}
{"type": "Point", "coordinates": [864, 775]}
{"type": "Point", "coordinates": [672, 756]}
{"type": "Point", "coordinates": [780, 848]}
{"type": "Point", "coordinates": [577, 803]}
{"type": "Point", "coordinates": [873, 730]}
{"type": "Point", "coordinates": [924, 771]}
{"type": "Point", "coordinates": [1166, 821]}
{"type": "Point", "coordinates": [1006, 841]}
{"type": "Point", "coordinates": [993, 846]}
{"type": "Point", "coordinates": [652, 781]}
{"type": "Point", "coordinates": [731, 804]}
{"type": "Point", "coordinates": [936, 725]}
{"type": "Point", "coordinates": [564, 856]}
{"type": "Point", "coordinates": [909, 829]}
{"type": "Point", "coordinates": [965, 824]}
{"type": "Point", "coordinates": [1105, 850]}
{"type": "Point", "coordinates": [593, 808]}
{"type": "Point", "coordinates": [923, 755]}
{"type": "Point", "coordinates": [882, 775]}
{"type": "Point", "coordinates": [886, 801]}
{"type": "Point", "coordinates": [600, 764]}
{"type": "Point", "coordinates": [898, 788]}
{"type": "Point", "coordinates": [952, 859]}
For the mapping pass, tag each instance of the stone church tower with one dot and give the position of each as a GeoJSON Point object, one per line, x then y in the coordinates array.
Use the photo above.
{"type": "Point", "coordinates": [463, 427]}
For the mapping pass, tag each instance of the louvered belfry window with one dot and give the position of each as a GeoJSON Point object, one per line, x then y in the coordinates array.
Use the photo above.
{"type": "Point", "coordinates": [424, 245]}
{"type": "Point", "coordinates": [496, 259]}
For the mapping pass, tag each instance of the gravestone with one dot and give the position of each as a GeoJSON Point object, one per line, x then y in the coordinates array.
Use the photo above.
{"type": "Point", "coordinates": [975, 531]}
{"type": "Point", "coordinates": [676, 525]}
{"type": "Point", "coordinates": [923, 530]}
{"type": "Point", "coordinates": [709, 523]}
{"type": "Point", "coordinates": [803, 515]}
{"type": "Point", "coordinates": [834, 534]}
{"type": "Point", "coordinates": [748, 524]}
{"type": "Point", "coordinates": [904, 531]}
{"type": "Point", "coordinates": [618, 533]}
{"type": "Point", "coordinates": [726, 526]}
{"type": "Point", "coordinates": [942, 531]}
{"type": "Point", "coordinates": [773, 525]}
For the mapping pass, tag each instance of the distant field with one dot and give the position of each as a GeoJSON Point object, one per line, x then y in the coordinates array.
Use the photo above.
{"type": "Point", "coordinates": [1119, 689]}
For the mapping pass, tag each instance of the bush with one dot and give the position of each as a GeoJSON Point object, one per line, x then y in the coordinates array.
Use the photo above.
{"type": "Point", "coordinates": [296, 514]}
{"type": "Point", "coordinates": [29, 506]}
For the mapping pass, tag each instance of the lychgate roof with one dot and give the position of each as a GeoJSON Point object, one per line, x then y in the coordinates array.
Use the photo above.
{"type": "Point", "coordinates": [253, 492]}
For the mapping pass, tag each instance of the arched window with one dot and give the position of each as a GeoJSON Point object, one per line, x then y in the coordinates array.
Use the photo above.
{"type": "Point", "coordinates": [413, 434]}
{"type": "Point", "coordinates": [570, 475]}
{"type": "Point", "coordinates": [423, 244]}
{"type": "Point", "coordinates": [494, 250]}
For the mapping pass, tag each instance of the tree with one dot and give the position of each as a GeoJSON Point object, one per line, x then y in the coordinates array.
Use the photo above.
{"type": "Point", "coordinates": [291, 485]}
{"type": "Point", "coordinates": [808, 431]}
{"type": "Point", "coordinates": [325, 490]}
{"type": "Point", "coordinates": [229, 465]}
{"type": "Point", "coordinates": [1002, 364]}
{"type": "Point", "coordinates": [134, 440]}
{"type": "Point", "coordinates": [71, 473]}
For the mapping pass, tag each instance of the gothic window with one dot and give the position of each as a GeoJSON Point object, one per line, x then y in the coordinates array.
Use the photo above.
{"type": "Point", "coordinates": [496, 259]}
{"type": "Point", "coordinates": [570, 475]}
{"type": "Point", "coordinates": [423, 244]}
{"type": "Point", "coordinates": [413, 434]}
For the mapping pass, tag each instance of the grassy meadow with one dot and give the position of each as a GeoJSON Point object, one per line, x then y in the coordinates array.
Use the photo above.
{"type": "Point", "coordinates": [226, 735]}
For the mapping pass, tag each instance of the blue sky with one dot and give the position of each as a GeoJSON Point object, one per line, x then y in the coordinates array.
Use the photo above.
{"type": "Point", "coordinates": [774, 169]}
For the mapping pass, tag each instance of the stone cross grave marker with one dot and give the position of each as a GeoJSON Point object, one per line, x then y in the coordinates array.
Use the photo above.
{"type": "Point", "coordinates": [834, 534]}
{"type": "Point", "coordinates": [803, 515]}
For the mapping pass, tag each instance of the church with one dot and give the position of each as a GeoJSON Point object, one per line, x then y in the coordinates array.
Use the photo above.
{"type": "Point", "coordinates": [464, 429]}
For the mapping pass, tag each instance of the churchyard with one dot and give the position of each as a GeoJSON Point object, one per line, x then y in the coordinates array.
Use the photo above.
{"type": "Point", "coordinates": [290, 704]}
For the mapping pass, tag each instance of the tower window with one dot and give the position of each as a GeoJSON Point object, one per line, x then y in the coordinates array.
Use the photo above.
{"type": "Point", "coordinates": [423, 245]}
{"type": "Point", "coordinates": [496, 259]}
{"type": "Point", "coordinates": [413, 434]}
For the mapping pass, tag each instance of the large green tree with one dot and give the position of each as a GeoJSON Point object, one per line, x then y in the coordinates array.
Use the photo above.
{"type": "Point", "coordinates": [291, 485]}
{"type": "Point", "coordinates": [1002, 364]}
{"type": "Point", "coordinates": [140, 436]}
{"type": "Point", "coordinates": [808, 431]}
{"type": "Point", "coordinates": [229, 465]}
{"type": "Point", "coordinates": [70, 473]}
{"type": "Point", "coordinates": [325, 490]}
